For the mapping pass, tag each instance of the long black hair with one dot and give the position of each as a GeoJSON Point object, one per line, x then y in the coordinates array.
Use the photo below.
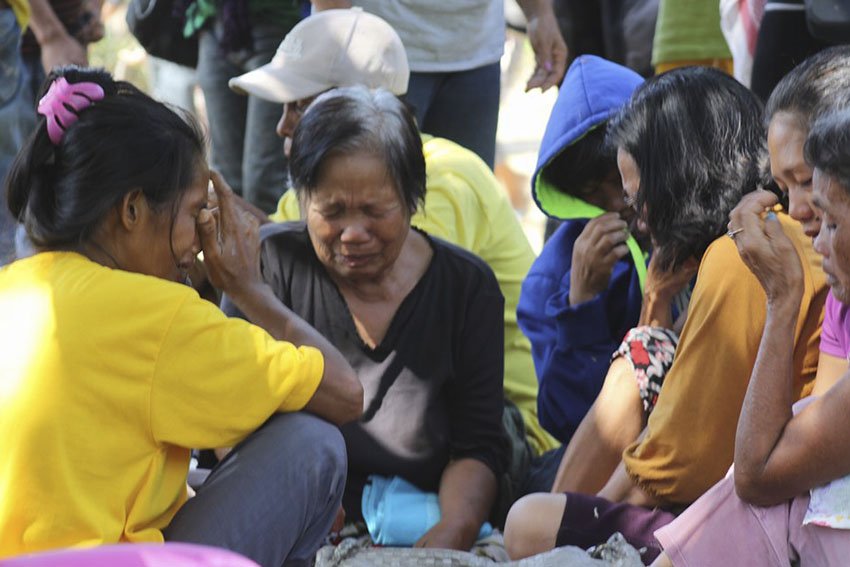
{"type": "Point", "coordinates": [697, 137]}
{"type": "Point", "coordinates": [123, 142]}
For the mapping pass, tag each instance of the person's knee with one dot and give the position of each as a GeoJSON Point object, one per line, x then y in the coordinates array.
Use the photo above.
{"type": "Point", "coordinates": [329, 447]}
{"type": "Point", "coordinates": [312, 434]}
{"type": "Point", "coordinates": [317, 487]}
{"type": "Point", "coordinates": [319, 446]}
{"type": "Point", "coordinates": [532, 524]}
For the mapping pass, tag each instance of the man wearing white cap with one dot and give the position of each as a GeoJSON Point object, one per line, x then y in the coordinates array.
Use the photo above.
{"type": "Point", "coordinates": [464, 203]}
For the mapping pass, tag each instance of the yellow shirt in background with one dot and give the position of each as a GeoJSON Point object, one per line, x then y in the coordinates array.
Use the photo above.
{"type": "Point", "coordinates": [22, 12]}
{"type": "Point", "coordinates": [106, 379]}
{"type": "Point", "coordinates": [465, 205]}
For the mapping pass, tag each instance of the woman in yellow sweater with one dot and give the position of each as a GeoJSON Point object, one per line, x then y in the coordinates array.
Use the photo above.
{"type": "Point", "coordinates": [111, 369]}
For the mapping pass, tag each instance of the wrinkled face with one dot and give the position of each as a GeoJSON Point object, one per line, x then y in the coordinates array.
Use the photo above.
{"type": "Point", "coordinates": [169, 240]}
{"type": "Point", "coordinates": [832, 203]}
{"type": "Point", "coordinates": [356, 219]}
{"type": "Point", "coordinates": [292, 113]}
{"type": "Point", "coordinates": [609, 195]}
{"type": "Point", "coordinates": [630, 175]}
{"type": "Point", "coordinates": [785, 139]}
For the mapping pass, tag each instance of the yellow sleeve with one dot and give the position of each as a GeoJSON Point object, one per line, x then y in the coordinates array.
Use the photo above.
{"type": "Point", "coordinates": [690, 439]}
{"type": "Point", "coordinates": [22, 12]}
{"type": "Point", "coordinates": [217, 379]}
{"type": "Point", "coordinates": [287, 208]}
{"type": "Point", "coordinates": [461, 192]}
{"type": "Point", "coordinates": [450, 212]}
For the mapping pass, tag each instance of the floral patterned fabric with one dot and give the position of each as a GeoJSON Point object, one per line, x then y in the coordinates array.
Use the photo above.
{"type": "Point", "coordinates": [650, 350]}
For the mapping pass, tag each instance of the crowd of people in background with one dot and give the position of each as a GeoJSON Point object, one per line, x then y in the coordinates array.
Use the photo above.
{"type": "Point", "coordinates": [325, 309]}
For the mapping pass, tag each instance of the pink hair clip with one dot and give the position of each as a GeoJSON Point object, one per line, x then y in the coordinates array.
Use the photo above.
{"type": "Point", "coordinates": [62, 104]}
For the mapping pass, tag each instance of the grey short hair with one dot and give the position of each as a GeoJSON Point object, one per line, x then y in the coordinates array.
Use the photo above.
{"type": "Point", "coordinates": [356, 119]}
{"type": "Point", "coordinates": [828, 146]}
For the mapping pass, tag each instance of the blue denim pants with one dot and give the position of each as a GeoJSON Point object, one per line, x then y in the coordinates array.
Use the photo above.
{"type": "Point", "coordinates": [245, 148]}
{"type": "Point", "coordinates": [462, 106]}
{"type": "Point", "coordinates": [19, 83]}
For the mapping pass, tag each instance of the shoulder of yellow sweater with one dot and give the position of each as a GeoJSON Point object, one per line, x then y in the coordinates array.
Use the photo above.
{"type": "Point", "coordinates": [446, 158]}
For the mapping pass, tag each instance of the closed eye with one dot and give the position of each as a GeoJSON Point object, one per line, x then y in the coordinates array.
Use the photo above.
{"type": "Point", "coordinates": [375, 212]}
{"type": "Point", "coordinates": [332, 213]}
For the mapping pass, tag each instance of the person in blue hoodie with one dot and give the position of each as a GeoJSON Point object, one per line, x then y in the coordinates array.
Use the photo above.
{"type": "Point", "coordinates": [584, 291]}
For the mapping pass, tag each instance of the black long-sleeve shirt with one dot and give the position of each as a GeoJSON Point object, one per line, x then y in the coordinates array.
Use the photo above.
{"type": "Point", "coordinates": [433, 387]}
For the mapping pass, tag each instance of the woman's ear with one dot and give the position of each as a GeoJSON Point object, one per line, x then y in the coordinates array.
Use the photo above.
{"type": "Point", "coordinates": [133, 209]}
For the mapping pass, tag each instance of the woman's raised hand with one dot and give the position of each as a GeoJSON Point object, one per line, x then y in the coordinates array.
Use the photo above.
{"type": "Point", "coordinates": [231, 242]}
{"type": "Point", "coordinates": [665, 284]}
{"type": "Point", "coordinates": [765, 248]}
{"type": "Point", "coordinates": [659, 289]}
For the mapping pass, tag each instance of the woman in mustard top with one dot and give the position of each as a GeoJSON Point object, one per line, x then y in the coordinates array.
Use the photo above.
{"type": "Point", "coordinates": [111, 369]}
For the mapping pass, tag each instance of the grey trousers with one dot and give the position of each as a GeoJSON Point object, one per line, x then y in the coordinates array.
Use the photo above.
{"type": "Point", "coordinates": [274, 497]}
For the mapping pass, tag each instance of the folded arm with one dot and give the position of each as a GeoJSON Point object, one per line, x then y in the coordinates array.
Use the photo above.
{"type": "Point", "coordinates": [779, 455]}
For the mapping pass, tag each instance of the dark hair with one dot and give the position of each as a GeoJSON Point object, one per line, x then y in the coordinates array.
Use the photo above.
{"type": "Point", "coordinates": [123, 142]}
{"type": "Point", "coordinates": [819, 83]}
{"type": "Point", "coordinates": [355, 119]}
{"type": "Point", "coordinates": [586, 162]}
{"type": "Point", "coordinates": [828, 146]}
{"type": "Point", "coordinates": [697, 138]}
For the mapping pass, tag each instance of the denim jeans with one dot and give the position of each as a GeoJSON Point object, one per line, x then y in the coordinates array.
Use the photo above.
{"type": "Point", "coordinates": [245, 148]}
{"type": "Point", "coordinates": [462, 106]}
{"type": "Point", "coordinates": [274, 497]}
{"type": "Point", "coordinates": [19, 81]}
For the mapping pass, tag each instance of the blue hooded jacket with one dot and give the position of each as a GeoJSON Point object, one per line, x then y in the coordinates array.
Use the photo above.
{"type": "Point", "coordinates": [572, 344]}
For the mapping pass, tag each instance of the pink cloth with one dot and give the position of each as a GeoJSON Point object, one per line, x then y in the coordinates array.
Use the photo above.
{"type": "Point", "coordinates": [133, 555]}
{"type": "Point", "coordinates": [835, 333]}
{"type": "Point", "coordinates": [720, 529]}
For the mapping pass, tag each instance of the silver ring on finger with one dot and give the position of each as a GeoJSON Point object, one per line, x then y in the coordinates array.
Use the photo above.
{"type": "Point", "coordinates": [732, 233]}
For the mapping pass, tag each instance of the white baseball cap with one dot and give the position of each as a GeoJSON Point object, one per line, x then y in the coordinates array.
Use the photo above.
{"type": "Point", "coordinates": [332, 48]}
